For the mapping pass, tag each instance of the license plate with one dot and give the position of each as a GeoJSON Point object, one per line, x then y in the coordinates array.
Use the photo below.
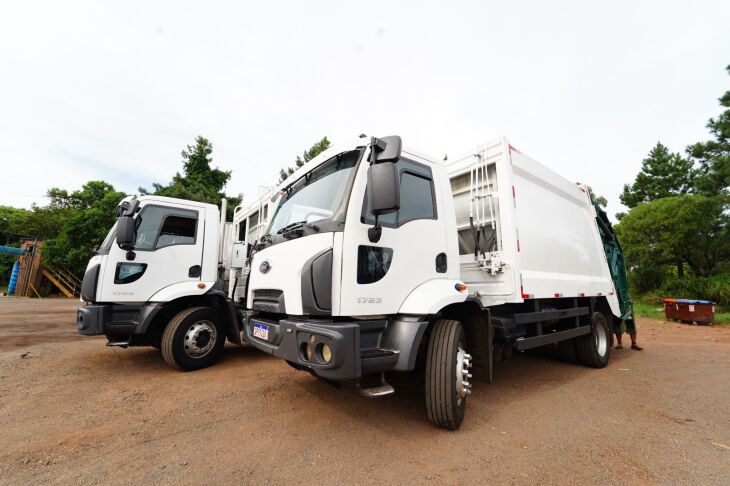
{"type": "Point", "coordinates": [261, 331]}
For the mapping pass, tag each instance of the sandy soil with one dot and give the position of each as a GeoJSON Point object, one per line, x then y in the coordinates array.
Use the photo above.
{"type": "Point", "coordinates": [74, 411]}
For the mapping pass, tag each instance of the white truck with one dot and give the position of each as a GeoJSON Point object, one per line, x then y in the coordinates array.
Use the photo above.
{"type": "Point", "coordinates": [380, 259]}
{"type": "Point", "coordinates": [377, 259]}
{"type": "Point", "coordinates": [159, 278]}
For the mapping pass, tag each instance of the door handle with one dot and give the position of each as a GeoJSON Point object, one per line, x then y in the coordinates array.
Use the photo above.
{"type": "Point", "coordinates": [194, 271]}
{"type": "Point", "coordinates": [441, 263]}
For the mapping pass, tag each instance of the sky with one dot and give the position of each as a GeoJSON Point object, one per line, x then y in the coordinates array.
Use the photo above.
{"type": "Point", "coordinates": [114, 91]}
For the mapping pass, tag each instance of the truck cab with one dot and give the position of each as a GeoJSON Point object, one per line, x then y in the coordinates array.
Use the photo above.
{"type": "Point", "coordinates": [362, 270]}
{"type": "Point", "coordinates": [156, 281]}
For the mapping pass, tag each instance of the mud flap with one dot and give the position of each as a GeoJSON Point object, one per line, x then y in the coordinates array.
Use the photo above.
{"type": "Point", "coordinates": [480, 337]}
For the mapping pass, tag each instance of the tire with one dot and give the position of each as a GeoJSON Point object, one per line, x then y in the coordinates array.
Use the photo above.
{"type": "Point", "coordinates": [184, 345]}
{"type": "Point", "coordinates": [567, 352]}
{"type": "Point", "coordinates": [594, 349]}
{"type": "Point", "coordinates": [445, 392]}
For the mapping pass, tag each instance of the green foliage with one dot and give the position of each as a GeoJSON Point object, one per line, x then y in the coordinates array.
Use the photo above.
{"type": "Point", "coordinates": [691, 229]}
{"type": "Point", "coordinates": [83, 232]}
{"type": "Point", "coordinates": [662, 174]}
{"type": "Point", "coordinates": [198, 182]}
{"type": "Point", "coordinates": [72, 225]}
{"type": "Point", "coordinates": [308, 155]}
{"type": "Point", "coordinates": [600, 200]}
{"type": "Point", "coordinates": [12, 224]}
{"type": "Point", "coordinates": [713, 156]}
{"type": "Point", "coordinates": [715, 288]}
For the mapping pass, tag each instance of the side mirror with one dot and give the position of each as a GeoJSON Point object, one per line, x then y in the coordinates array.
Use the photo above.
{"type": "Point", "coordinates": [383, 194]}
{"type": "Point", "coordinates": [125, 233]}
{"type": "Point", "coordinates": [383, 188]}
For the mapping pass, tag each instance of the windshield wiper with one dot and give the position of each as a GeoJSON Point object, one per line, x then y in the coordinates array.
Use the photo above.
{"type": "Point", "coordinates": [295, 230]}
{"type": "Point", "coordinates": [297, 225]}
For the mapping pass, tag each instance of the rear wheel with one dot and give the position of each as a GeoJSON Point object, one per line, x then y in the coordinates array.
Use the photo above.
{"type": "Point", "coordinates": [447, 374]}
{"type": "Point", "coordinates": [193, 339]}
{"type": "Point", "coordinates": [594, 349]}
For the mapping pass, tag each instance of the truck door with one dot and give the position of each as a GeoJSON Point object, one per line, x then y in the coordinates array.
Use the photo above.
{"type": "Point", "coordinates": [168, 250]}
{"type": "Point", "coordinates": [377, 277]}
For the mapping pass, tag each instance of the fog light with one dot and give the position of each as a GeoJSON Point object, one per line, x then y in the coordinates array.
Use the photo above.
{"type": "Point", "coordinates": [326, 353]}
{"type": "Point", "coordinates": [306, 351]}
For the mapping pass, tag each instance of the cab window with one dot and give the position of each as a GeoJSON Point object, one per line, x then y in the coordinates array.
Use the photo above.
{"type": "Point", "coordinates": [417, 199]}
{"type": "Point", "coordinates": [159, 227]}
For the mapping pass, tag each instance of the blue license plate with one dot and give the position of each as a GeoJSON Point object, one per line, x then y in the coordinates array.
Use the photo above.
{"type": "Point", "coordinates": [261, 331]}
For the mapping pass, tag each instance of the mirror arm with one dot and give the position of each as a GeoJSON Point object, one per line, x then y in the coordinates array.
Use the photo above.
{"type": "Point", "coordinates": [375, 232]}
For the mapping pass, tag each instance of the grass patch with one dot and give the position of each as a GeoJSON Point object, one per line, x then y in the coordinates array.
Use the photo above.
{"type": "Point", "coordinates": [656, 311]}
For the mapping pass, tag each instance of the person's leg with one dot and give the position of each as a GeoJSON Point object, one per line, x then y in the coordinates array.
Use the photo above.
{"type": "Point", "coordinates": [631, 330]}
{"type": "Point", "coordinates": [633, 342]}
{"type": "Point", "coordinates": [619, 345]}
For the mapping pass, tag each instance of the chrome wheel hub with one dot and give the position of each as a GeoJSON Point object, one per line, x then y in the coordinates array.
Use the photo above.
{"type": "Point", "coordinates": [463, 365]}
{"type": "Point", "coordinates": [200, 339]}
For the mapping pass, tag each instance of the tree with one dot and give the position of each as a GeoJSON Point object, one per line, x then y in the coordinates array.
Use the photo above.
{"type": "Point", "coordinates": [662, 174]}
{"type": "Point", "coordinates": [713, 156]}
{"type": "Point", "coordinates": [199, 182]}
{"type": "Point", "coordinates": [85, 230]}
{"type": "Point", "coordinates": [600, 200]}
{"type": "Point", "coordinates": [691, 229]}
{"type": "Point", "coordinates": [308, 155]}
{"type": "Point", "coordinates": [85, 198]}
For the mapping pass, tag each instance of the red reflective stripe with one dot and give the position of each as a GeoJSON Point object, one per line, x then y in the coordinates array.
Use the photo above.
{"type": "Point", "coordinates": [582, 294]}
{"type": "Point", "coordinates": [557, 295]}
{"type": "Point", "coordinates": [524, 295]}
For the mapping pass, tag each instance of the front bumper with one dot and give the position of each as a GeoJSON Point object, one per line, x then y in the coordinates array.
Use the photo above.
{"type": "Point", "coordinates": [357, 347]}
{"type": "Point", "coordinates": [115, 319]}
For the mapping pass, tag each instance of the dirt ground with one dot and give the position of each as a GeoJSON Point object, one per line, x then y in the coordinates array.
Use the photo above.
{"type": "Point", "coordinates": [74, 411]}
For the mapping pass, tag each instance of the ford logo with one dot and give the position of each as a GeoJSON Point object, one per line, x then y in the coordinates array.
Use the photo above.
{"type": "Point", "coordinates": [264, 267]}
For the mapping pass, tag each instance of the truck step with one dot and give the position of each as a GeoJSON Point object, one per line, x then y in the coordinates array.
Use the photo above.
{"type": "Point", "coordinates": [121, 344]}
{"type": "Point", "coordinates": [375, 360]}
{"type": "Point", "coordinates": [377, 353]}
{"type": "Point", "coordinates": [376, 391]}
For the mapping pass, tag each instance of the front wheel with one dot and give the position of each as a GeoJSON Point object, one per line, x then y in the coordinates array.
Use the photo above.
{"type": "Point", "coordinates": [594, 349]}
{"type": "Point", "coordinates": [193, 339]}
{"type": "Point", "coordinates": [447, 374]}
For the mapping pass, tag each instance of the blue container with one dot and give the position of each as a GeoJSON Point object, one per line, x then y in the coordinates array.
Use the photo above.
{"type": "Point", "coordinates": [14, 278]}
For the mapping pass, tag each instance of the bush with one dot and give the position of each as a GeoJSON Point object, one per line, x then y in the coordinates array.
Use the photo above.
{"type": "Point", "coordinates": [715, 288]}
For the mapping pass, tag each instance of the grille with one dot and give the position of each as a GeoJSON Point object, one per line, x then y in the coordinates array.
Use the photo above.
{"type": "Point", "coordinates": [267, 293]}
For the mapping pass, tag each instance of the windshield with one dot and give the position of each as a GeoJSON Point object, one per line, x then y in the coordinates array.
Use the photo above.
{"type": "Point", "coordinates": [107, 244]}
{"type": "Point", "coordinates": [317, 195]}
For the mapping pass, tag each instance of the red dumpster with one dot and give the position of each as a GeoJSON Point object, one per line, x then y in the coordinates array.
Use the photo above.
{"type": "Point", "coordinates": [685, 310]}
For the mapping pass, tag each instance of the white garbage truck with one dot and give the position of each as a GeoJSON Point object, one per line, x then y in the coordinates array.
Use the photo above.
{"type": "Point", "coordinates": [380, 260]}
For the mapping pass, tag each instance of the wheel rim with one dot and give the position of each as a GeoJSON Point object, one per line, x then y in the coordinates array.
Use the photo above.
{"type": "Point", "coordinates": [200, 339]}
{"type": "Point", "coordinates": [463, 364]}
{"type": "Point", "coordinates": [601, 340]}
